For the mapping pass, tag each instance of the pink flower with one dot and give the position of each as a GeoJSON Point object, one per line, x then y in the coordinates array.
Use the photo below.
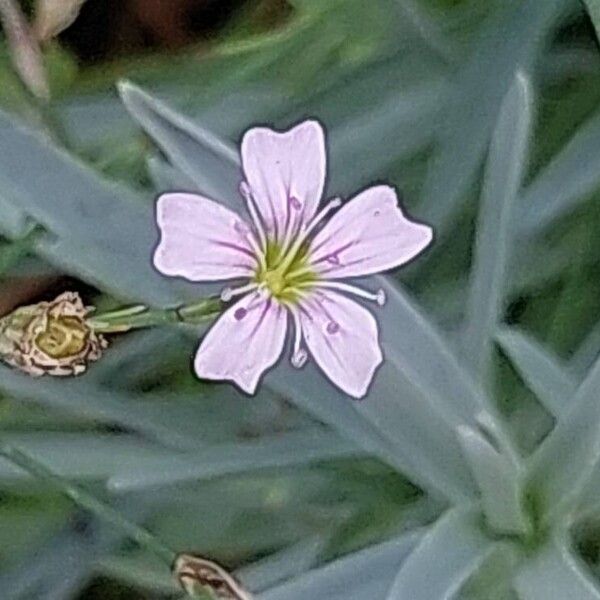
{"type": "Point", "coordinates": [291, 266]}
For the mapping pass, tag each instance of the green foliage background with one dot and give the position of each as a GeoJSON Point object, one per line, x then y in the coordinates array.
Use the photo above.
{"type": "Point", "coordinates": [410, 92]}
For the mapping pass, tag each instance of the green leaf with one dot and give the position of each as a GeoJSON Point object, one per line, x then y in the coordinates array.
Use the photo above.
{"type": "Point", "coordinates": [71, 202]}
{"type": "Point", "coordinates": [210, 162]}
{"type": "Point", "coordinates": [568, 458]}
{"type": "Point", "coordinates": [593, 8]}
{"type": "Point", "coordinates": [556, 573]}
{"type": "Point", "coordinates": [290, 449]}
{"type": "Point", "coordinates": [289, 563]}
{"type": "Point", "coordinates": [500, 481]}
{"type": "Point", "coordinates": [544, 374]}
{"type": "Point", "coordinates": [364, 575]}
{"type": "Point", "coordinates": [480, 87]}
{"type": "Point", "coordinates": [80, 397]}
{"type": "Point", "coordinates": [505, 167]}
{"type": "Point", "coordinates": [451, 551]}
{"type": "Point", "coordinates": [567, 181]}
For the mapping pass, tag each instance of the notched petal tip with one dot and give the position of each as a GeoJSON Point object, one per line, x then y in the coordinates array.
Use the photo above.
{"type": "Point", "coordinates": [361, 391]}
{"type": "Point", "coordinates": [248, 386]}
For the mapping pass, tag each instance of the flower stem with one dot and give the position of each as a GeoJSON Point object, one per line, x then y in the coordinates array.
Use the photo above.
{"type": "Point", "coordinates": [82, 498]}
{"type": "Point", "coordinates": [140, 316]}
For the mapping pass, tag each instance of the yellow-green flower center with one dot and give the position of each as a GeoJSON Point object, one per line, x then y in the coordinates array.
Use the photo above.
{"type": "Point", "coordinates": [64, 336]}
{"type": "Point", "coordinates": [284, 275]}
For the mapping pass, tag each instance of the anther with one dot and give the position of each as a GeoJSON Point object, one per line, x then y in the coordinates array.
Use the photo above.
{"type": "Point", "coordinates": [332, 327]}
{"type": "Point", "coordinates": [299, 358]}
{"type": "Point", "coordinates": [228, 293]}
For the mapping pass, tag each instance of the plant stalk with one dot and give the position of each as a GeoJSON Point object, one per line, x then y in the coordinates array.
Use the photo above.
{"type": "Point", "coordinates": [140, 316]}
{"type": "Point", "coordinates": [82, 498]}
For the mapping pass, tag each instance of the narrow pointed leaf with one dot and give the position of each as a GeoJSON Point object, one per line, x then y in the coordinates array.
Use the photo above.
{"type": "Point", "coordinates": [293, 448]}
{"type": "Point", "coordinates": [556, 574]}
{"type": "Point", "coordinates": [69, 201]}
{"type": "Point", "coordinates": [543, 372]}
{"type": "Point", "coordinates": [593, 8]}
{"type": "Point", "coordinates": [77, 397]}
{"type": "Point", "coordinates": [587, 352]}
{"type": "Point", "coordinates": [480, 87]}
{"type": "Point", "coordinates": [505, 166]}
{"type": "Point", "coordinates": [569, 179]}
{"type": "Point", "coordinates": [364, 575]}
{"type": "Point", "coordinates": [212, 163]}
{"type": "Point", "coordinates": [499, 481]}
{"type": "Point", "coordinates": [283, 565]}
{"type": "Point", "coordinates": [451, 551]}
{"type": "Point", "coordinates": [565, 462]}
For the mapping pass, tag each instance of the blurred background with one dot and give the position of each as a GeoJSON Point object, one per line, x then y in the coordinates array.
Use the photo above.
{"type": "Point", "coordinates": [409, 92]}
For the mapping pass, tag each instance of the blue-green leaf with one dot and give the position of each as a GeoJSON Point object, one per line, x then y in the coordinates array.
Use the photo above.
{"type": "Point", "coordinates": [569, 179]}
{"type": "Point", "coordinates": [479, 89]}
{"type": "Point", "coordinates": [451, 551]}
{"type": "Point", "coordinates": [543, 372]}
{"type": "Point", "coordinates": [364, 575]}
{"type": "Point", "coordinates": [210, 162]}
{"type": "Point", "coordinates": [505, 166]}
{"type": "Point", "coordinates": [568, 458]}
{"type": "Point", "coordinates": [500, 482]}
{"type": "Point", "coordinates": [97, 230]}
{"type": "Point", "coordinates": [556, 573]}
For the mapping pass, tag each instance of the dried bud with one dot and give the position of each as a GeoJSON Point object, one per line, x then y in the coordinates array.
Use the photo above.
{"type": "Point", "coordinates": [50, 337]}
{"type": "Point", "coordinates": [201, 578]}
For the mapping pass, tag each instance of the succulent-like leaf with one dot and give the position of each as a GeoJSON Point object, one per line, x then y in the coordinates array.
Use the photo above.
{"type": "Point", "coordinates": [480, 87]}
{"type": "Point", "coordinates": [593, 7]}
{"type": "Point", "coordinates": [556, 573]}
{"type": "Point", "coordinates": [70, 201]}
{"type": "Point", "coordinates": [565, 462]}
{"type": "Point", "coordinates": [90, 401]}
{"type": "Point", "coordinates": [364, 575]}
{"type": "Point", "coordinates": [284, 450]}
{"type": "Point", "coordinates": [500, 482]}
{"type": "Point", "coordinates": [569, 178]}
{"type": "Point", "coordinates": [543, 372]}
{"type": "Point", "coordinates": [451, 551]}
{"type": "Point", "coordinates": [286, 564]}
{"type": "Point", "coordinates": [212, 163]}
{"type": "Point", "coordinates": [505, 166]}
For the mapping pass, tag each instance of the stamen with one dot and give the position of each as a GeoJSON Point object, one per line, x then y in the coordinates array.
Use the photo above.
{"type": "Point", "coordinates": [246, 192]}
{"type": "Point", "coordinates": [240, 313]}
{"type": "Point", "coordinates": [228, 293]}
{"type": "Point", "coordinates": [332, 327]}
{"type": "Point", "coordinates": [291, 255]}
{"type": "Point", "coordinates": [299, 355]}
{"type": "Point", "coordinates": [296, 205]}
{"type": "Point", "coordinates": [299, 272]}
{"type": "Point", "coordinates": [378, 296]}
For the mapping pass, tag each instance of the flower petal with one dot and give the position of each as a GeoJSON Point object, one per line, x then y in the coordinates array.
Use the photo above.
{"type": "Point", "coordinates": [201, 240]}
{"type": "Point", "coordinates": [342, 336]}
{"type": "Point", "coordinates": [368, 235]}
{"type": "Point", "coordinates": [246, 340]}
{"type": "Point", "coordinates": [286, 174]}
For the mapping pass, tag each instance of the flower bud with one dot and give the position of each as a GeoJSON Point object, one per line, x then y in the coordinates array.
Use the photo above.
{"type": "Point", "coordinates": [51, 338]}
{"type": "Point", "coordinates": [201, 578]}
